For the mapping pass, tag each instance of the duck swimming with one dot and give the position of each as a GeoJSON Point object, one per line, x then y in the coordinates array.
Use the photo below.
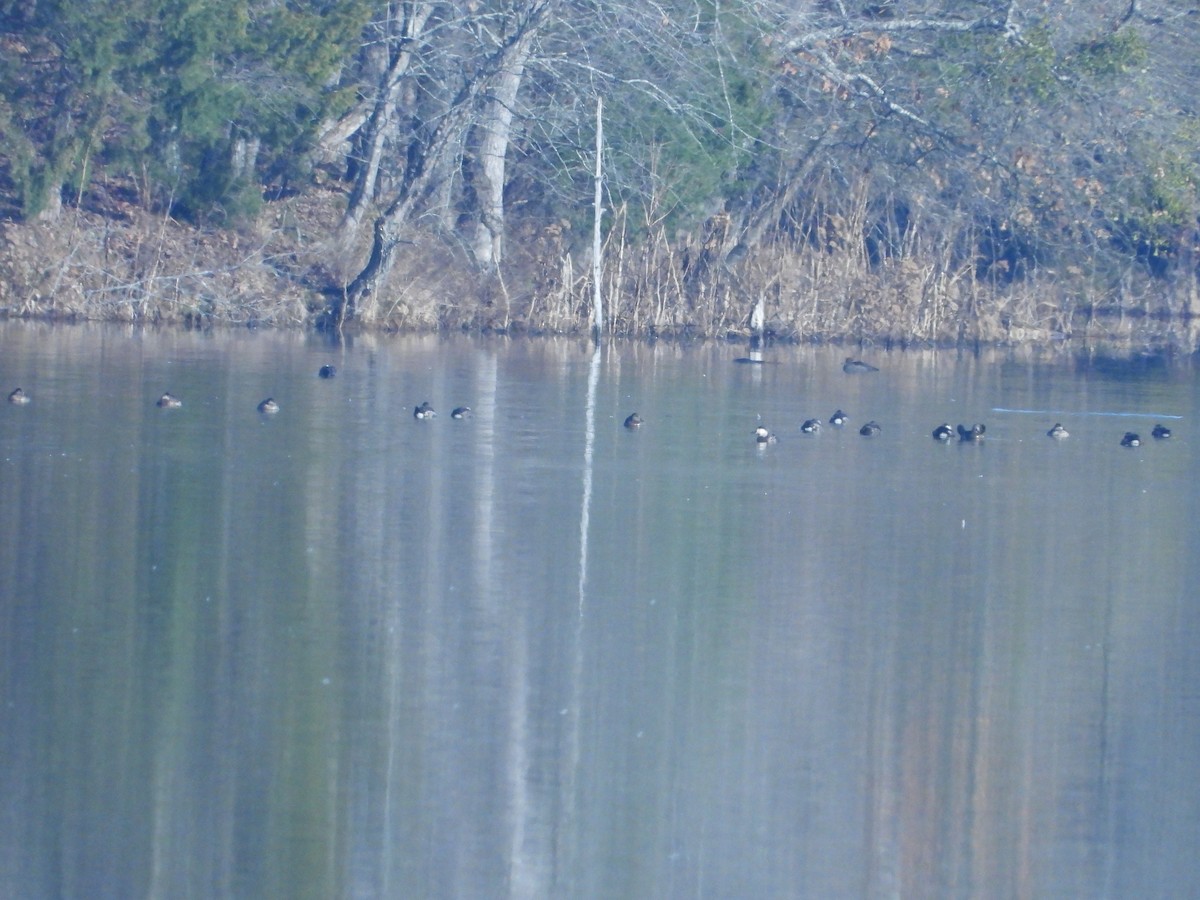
{"type": "Point", "coordinates": [327, 371]}
{"type": "Point", "coordinates": [1058, 432]}
{"type": "Point", "coordinates": [1162, 432]}
{"type": "Point", "coordinates": [811, 426]}
{"type": "Point", "coordinates": [633, 421]}
{"type": "Point", "coordinates": [424, 411]}
{"type": "Point", "coordinates": [461, 412]}
{"type": "Point", "coordinates": [268, 406]}
{"type": "Point", "coordinates": [870, 429]}
{"type": "Point", "coordinates": [19, 397]}
{"type": "Point", "coordinates": [763, 436]}
{"type": "Point", "coordinates": [943, 432]}
{"type": "Point", "coordinates": [838, 419]}
{"type": "Point", "coordinates": [972, 434]}
{"type": "Point", "coordinates": [852, 366]}
{"type": "Point", "coordinates": [167, 401]}
{"type": "Point", "coordinates": [1131, 440]}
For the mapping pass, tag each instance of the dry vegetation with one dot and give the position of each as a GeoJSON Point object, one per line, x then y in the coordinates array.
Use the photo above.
{"type": "Point", "coordinates": [117, 262]}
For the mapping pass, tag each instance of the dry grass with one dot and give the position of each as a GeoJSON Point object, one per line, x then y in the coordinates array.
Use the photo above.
{"type": "Point", "coordinates": [126, 265]}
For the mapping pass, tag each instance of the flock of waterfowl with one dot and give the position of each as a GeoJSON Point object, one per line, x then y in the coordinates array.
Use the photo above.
{"type": "Point", "coordinates": [269, 406]}
{"type": "Point", "coordinates": [943, 433]}
{"type": "Point", "coordinates": [426, 411]}
{"type": "Point", "coordinates": [421, 413]}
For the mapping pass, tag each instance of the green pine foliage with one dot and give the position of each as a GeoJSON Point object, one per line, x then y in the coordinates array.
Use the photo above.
{"type": "Point", "coordinates": [169, 93]}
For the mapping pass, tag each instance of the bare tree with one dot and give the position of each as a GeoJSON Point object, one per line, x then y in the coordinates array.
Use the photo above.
{"type": "Point", "coordinates": [399, 33]}
{"type": "Point", "coordinates": [430, 163]}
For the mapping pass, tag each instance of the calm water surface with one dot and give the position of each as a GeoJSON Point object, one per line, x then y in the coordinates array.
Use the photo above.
{"type": "Point", "coordinates": [340, 652]}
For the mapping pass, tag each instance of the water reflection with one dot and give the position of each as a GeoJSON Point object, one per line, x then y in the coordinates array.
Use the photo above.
{"type": "Point", "coordinates": [342, 652]}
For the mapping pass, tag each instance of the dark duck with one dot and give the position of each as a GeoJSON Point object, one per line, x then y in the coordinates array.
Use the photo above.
{"type": "Point", "coordinates": [974, 434]}
{"type": "Point", "coordinates": [853, 366]}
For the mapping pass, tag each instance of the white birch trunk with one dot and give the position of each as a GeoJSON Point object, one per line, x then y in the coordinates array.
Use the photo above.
{"type": "Point", "coordinates": [496, 128]}
{"type": "Point", "coordinates": [598, 212]}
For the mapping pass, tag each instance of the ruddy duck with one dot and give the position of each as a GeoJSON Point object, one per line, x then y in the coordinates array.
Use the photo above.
{"type": "Point", "coordinates": [852, 366]}
{"type": "Point", "coordinates": [268, 406]}
{"type": "Point", "coordinates": [327, 371]}
{"type": "Point", "coordinates": [633, 421]}
{"type": "Point", "coordinates": [943, 432]}
{"type": "Point", "coordinates": [424, 411]}
{"type": "Point", "coordinates": [1131, 440]}
{"type": "Point", "coordinates": [870, 429]}
{"type": "Point", "coordinates": [811, 426]}
{"type": "Point", "coordinates": [166, 401]}
{"type": "Point", "coordinates": [763, 436]}
{"type": "Point", "coordinates": [1162, 432]}
{"type": "Point", "coordinates": [972, 434]}
{"type": "Point", "coordinates": [1058, 432]}
{"type": "Point", "coordinates": [19, 397]}
{"type": "Point", "coordinates": [461, 412]}
{"type": "Point", "coordinates": [838, 419]}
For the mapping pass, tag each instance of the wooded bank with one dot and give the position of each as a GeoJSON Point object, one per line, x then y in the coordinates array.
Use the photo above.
{"type": "Point", "coordinates": [902, 172]}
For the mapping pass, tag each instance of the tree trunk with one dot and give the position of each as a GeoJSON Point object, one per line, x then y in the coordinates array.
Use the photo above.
{"type": "Point", "coordinates": [597, 218]}
{"type": "Point", "coordinates": [422, 179]}
{"type": "Point", "coordinates": [496, 127]}
{"type": "Point", "coordinates": [379, 123]}
{"type": "Point", "coordinates": [243, 158]}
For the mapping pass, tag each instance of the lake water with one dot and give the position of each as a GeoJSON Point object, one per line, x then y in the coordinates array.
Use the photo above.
{"type": "Point", "coordinates": [339, 652]}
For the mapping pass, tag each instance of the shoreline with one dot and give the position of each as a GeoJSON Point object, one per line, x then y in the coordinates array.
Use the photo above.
{"type": "Point", "coordinates": [283, 272]}
{"type": "Point", "coordinates": [1130, 347]}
